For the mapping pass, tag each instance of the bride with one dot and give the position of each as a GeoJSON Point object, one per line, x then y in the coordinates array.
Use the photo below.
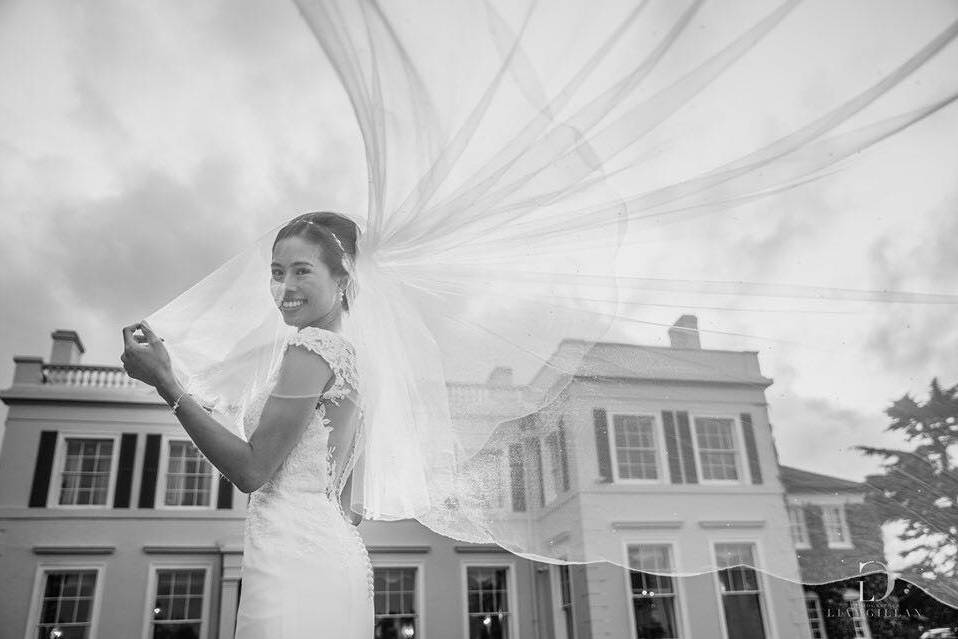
{"type": "Point", "coordinates": [304, 563]}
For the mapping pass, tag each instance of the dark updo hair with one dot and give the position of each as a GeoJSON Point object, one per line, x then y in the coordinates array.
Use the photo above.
{"type": "Point", "coordinates": [335, 234]}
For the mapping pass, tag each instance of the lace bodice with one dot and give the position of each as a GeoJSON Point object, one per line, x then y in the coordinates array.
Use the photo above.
{"type": "Point", "coordinates": [310, 466]}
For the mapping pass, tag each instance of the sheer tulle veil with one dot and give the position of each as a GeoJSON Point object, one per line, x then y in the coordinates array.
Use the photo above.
{"type": "Point", "coordinates": [526, 161]}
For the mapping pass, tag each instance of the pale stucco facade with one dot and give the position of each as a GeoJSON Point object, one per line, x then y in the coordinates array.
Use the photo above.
{"type": "Point", "coordinates": [127, 540]}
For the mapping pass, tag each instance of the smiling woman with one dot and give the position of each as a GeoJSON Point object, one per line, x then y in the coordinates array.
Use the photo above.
{"type": "Point", "coordinates": [304, 564]}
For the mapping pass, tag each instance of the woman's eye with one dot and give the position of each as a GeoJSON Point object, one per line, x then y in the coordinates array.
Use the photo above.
{"type": "Point", "coordinates": [277, 275]}
{"type": "Point", "coordinates": [302, 271]}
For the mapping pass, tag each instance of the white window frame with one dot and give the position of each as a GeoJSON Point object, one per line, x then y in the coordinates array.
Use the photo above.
{"type": "Point", "coordinates": [159, 500]}
{"type": "Point", "coordinates": [842, 521]}
{"type": "Point", "coordinates": [738, 441]}
{"type": "Point", "coordinates": [768, 612]}
{"type": "Point", "coordinates": [682, 613]}
{"type": "Point", "coordinates": [658, 437]}
{"type": "Point", "coordinates": [59, 460]}
{"type": "Point", "coordinates": [150, 601]}
{"type": "Point", "coordinates": [511, 597]}
{"type": "Point", "coordinates": [804, 542]}
{"type": "Point", "coordinates": [420, 589]}
{"type": "Point", "coordinates": [39, 581]}
{"type": "Point", "coordinates": [819, 623]}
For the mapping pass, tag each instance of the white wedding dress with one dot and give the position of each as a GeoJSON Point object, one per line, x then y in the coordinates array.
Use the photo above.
{"type": "Point", "coordinates": [306, 572]}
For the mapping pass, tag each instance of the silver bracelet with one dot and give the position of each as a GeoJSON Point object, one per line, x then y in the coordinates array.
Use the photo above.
{"type": "Point", "coordinates": [176, 404]}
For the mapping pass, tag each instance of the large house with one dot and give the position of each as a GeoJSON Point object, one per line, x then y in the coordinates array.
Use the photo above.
{"type": "Point", "coordinates": [833, 526]}
{"type": "Point", "coordinates": [112, 524]}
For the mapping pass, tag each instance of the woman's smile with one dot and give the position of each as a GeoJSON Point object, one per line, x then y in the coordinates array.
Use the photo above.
{"type": "Point", "coordinates": [292, 305]}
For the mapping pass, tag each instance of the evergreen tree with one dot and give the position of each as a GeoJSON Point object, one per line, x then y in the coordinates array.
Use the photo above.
{"type": "Point", "coordinates": [920, 487]}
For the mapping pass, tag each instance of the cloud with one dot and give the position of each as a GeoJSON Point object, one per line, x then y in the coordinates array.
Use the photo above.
{"type": "Point", "coordinates": [142, 146]}
{"type": "Point", "coordinates": [819, 435]}
{"type": "Point", "coordinates": [918, 343]}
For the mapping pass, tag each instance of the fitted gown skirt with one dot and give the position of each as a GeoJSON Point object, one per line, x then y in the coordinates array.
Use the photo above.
{"type": "Point", "coordinates": [306, 572]}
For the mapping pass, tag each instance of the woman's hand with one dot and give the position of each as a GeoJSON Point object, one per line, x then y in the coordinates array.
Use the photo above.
{"type": "Point", "coordinates": [144, 356]}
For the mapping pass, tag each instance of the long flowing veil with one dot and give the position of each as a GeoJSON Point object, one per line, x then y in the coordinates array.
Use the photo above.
{"type": "Point", "coordinates": [531, 166]}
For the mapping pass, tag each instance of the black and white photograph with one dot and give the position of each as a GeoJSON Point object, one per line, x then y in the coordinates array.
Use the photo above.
{"type": "Point", "coordinates": [479, 319]}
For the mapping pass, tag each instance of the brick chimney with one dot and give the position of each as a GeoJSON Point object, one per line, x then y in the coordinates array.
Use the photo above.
{"type": "Point", "coordinates": [685, 333]}
{"type": "Point", "coordinates": [500, 377]}
{"type": "Point", "coordinates": [67, 347]}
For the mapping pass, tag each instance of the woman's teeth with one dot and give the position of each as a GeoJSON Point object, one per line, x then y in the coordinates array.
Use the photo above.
{"type": "Point", "coordinates": [288, 306]}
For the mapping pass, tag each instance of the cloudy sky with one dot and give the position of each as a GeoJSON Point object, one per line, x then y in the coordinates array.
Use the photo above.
{"type": "Point", "coordinates": [143, 144]}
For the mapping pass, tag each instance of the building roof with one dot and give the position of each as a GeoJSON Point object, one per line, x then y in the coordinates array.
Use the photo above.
{"type": "Point", "coordinates": [796, 480]}
{"type": "Point", "coordinates": [657, 363]}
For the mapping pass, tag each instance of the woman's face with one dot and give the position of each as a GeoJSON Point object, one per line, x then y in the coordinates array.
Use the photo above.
{"type": "Point", "coordinates": [305, 291]}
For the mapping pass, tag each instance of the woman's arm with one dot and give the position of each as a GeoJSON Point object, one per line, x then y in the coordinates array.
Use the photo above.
{"type": "Point", "coordinates": [246, 464]}
{"type": "Point", "coordinates": [232, 456]}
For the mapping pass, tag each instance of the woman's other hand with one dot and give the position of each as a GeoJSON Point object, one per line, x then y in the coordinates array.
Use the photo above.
{"type": "Point", "coordinates": [145, 357]}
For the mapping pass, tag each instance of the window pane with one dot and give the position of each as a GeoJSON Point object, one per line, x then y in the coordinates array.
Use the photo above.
{"type": "Point", "coordinates": [395, 602]}
{"type": "Point", "coordinates": [716, 443]}
{"type": "Point", "coordinates": [536, 482]}
{"type": "Point", "coordinates": [555, 463]}
{"type": "Point", "coordinates": [518, 478]}
{"type": "Point", "coordinates": [655, 618]}
{"type": "Point", "coordinates": [653, 593]}
{"type": "Point", "coordinates": [740, 588]}
{"type": "Point", "coordinates": [743, 616]}
{"type": "Point", "coordinates": [67, 603]}
{"type": "Point", "coordinates": [395, 628]}
{"type": "Point", "coordinates": [86, 471]}
{"type": "Point", "coordinates": [796, 517]}
{"type": "Point", "coordinates": [815, 620]}
{"type": "Point", "coordinates": [178, 609]}
{"type": "Point", "coordinates": [487, 594]}
{"type": "Point", "coordinates": [189, 476]}
{"type": "Point", "coordinates": [177, 631]}
{"type": "Point", "coordinates": [833, 518]}
{"type": "Point", "coordinates": [490, 585]}
{"type": "Point", "coordinates": [490, 626]}
{"type": "Point", "coordinates": [635, 446]}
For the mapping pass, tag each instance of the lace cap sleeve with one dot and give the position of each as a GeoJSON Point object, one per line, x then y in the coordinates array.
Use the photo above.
{"type": "Point", "coordinates": [336, 355]}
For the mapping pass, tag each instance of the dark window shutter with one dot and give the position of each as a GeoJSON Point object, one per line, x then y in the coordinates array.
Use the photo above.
{"type": "Point", "coordinates": [672, 447]}
{"type": "Point", "coordinates": [518, 476]}
{"type": "Point", "coordinates": [535, 450]}
{"type": "Point", "coordinates": [151, 463]}
{"type": "Point", "coordinates": [563, 456]}
{"type": "Point", "coordinates": [602, 444]}
{"type": "Point", "coordinates": [42, 469]}
{"type": "Point", "coordinates": [751, 450]}
{"type": "Point", "coordinates": [124, 477]}
{"type": "Point", "coordinates": [685, 445]}
{"type": "Point", "coordinates": [224, 497]}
